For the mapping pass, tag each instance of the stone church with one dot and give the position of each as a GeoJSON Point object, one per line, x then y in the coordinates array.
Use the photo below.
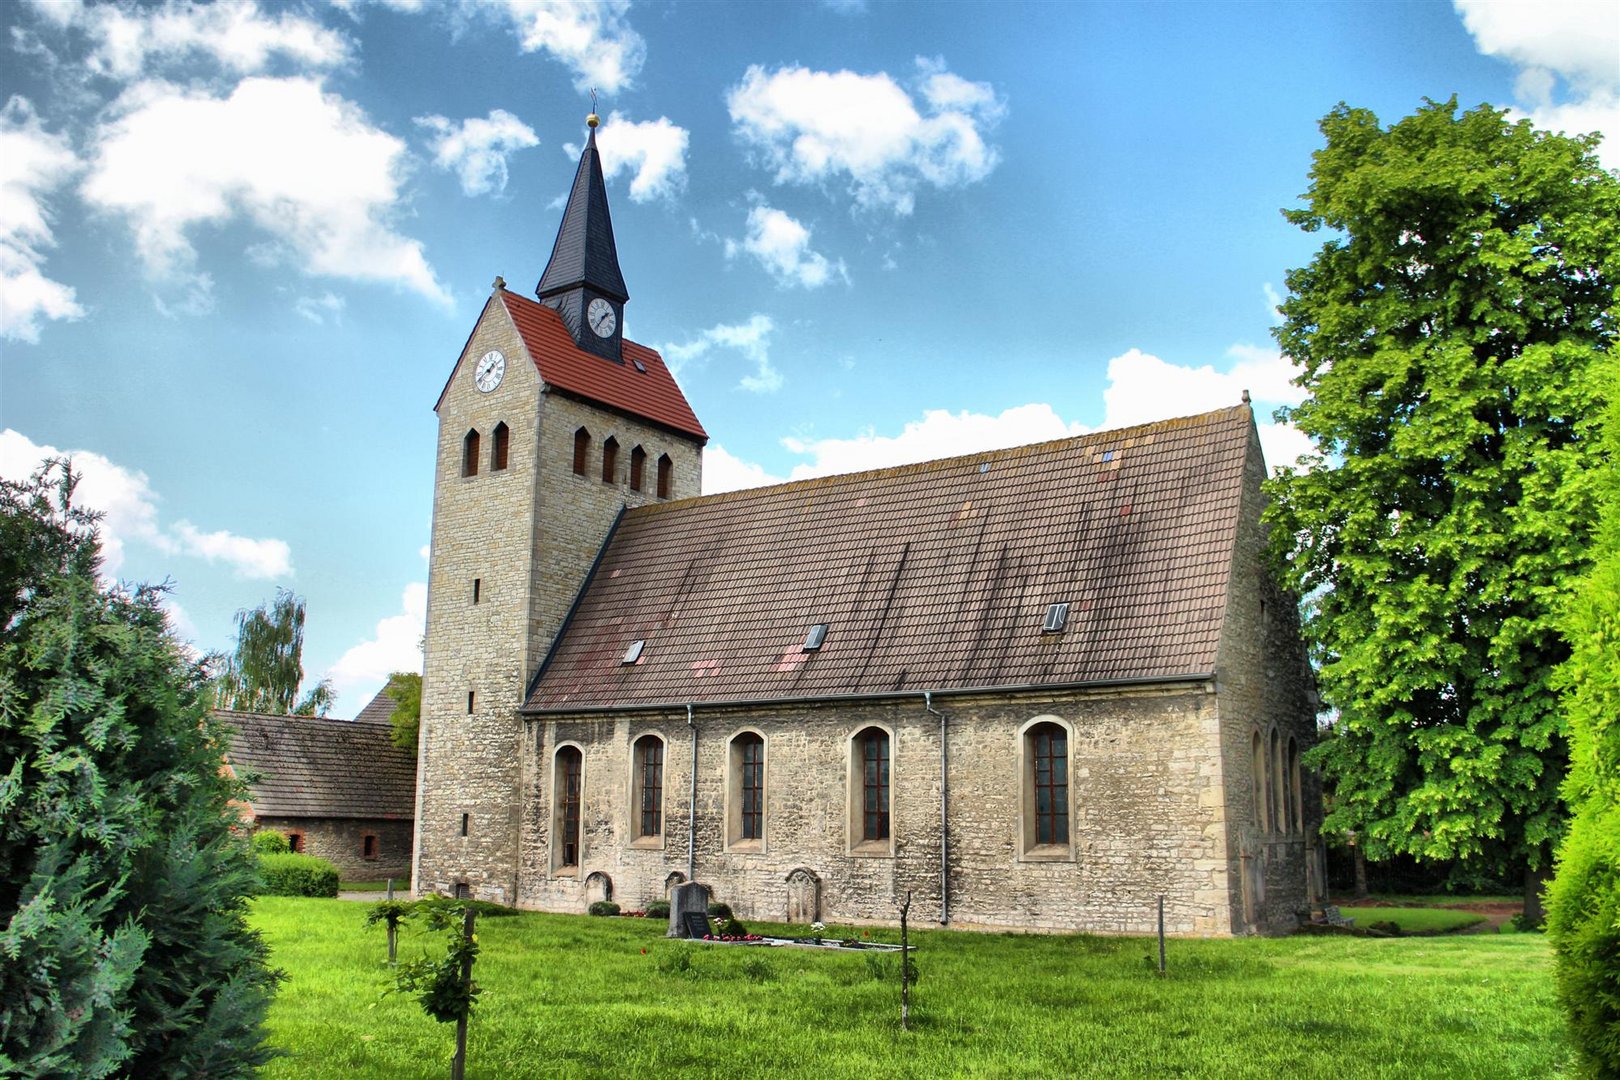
{"type": "Point", "coordinates": [1036, 688]}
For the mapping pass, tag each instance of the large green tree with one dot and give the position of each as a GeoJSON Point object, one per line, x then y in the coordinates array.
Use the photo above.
{"type": "Point", "coordinates": [1583, 910]}
{"type": "Point", "coordinates": [405, 687]}
{"type": "Point", "coordinates": [265, 670]}
{"type": "Point", "coordinates": [1449, 334]}
{"type": "Point", "coordinates": [124, 947]}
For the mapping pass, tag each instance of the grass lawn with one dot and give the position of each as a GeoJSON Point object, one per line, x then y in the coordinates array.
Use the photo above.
{"type": "Point", "coordinates": [1414, 920]}
{"type": "Point", "coordinates": [572, 996]}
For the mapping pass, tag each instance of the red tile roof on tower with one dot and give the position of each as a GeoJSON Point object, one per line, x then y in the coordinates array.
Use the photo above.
{"type": "Point", "coordinates": [928, 577]}
{"type": "Point", "coordinates": [651, 394]}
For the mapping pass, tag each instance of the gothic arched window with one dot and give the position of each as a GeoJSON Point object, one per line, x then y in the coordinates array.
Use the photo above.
{"type": "Point", "coordinates": [469, 454]}
{"type": "Point", "coordinates": [582, 450]}
{"type": "Point", "coordinates": [665, 468]}
{"type": "Point", "coordinates": [502, 436]}
{"type": "Point", "coordinates": [610, 460]}
{"type": "Point", "coordinates": [638, 467]}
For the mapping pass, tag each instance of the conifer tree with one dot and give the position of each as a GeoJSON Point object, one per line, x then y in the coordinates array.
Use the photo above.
{"type": "Point", "coordinates": [1449, 335]}
{"type": "Point", "coordinates": [123, 942]}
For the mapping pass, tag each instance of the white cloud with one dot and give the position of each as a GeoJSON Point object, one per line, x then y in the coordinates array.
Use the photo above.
{"type": "Point", "coordinates": [477, 148]}
{"type": "Point", "coordinates": [751, 339]}
{"type": "Point", "coordinates": [127, 39]}
{"type": "Point", "coordinates": [1274, 301]}
{"type": "Point", "coordinates": [593, 39]}
{"type": "Point", "coordinates": [654, 150]}
{"type": "Point", "coordinates": [1576, 41]}
{"type": "Point", "coordinates": [1143, 388]}
{"type": "Point", "coordinates": [303, 166]}
{"type": "Point", "coordinates": [724, 471]}
{"type": "Point", "coordinates": [782, 246]}
{"type": "Point", "coordinates": [130, 508]}
{"type": "Point", "coordinates": [940, 433]}
{"type": "Point", "coordinates": [394, 646]}
{"type": "Point", "coordinates": [318, 309]}
{"type": "Point", "coordinates": [33, 164]}
{"type": "Point", "coordinates": [817, 126]}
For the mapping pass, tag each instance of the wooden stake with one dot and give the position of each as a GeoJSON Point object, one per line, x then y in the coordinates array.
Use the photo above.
{"type": "Point", "coordinates": [458, 1065]}
{"type": "Point", "coordinates": [905, 967]}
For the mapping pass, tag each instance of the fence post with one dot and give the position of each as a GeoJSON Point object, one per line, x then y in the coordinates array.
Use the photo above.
{"type": "Point", "coordinates": [1161, 933]}
{"type": "Point", "coordinates": [905, 966]}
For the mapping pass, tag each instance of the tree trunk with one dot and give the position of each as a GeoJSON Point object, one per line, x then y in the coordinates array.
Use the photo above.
{"type": "Point", "coordinates": [1534, 882]}
{"type": "Point", "coordinates": [1361, 873]}
{"type": "Point", "coordinates": [458, 1064]}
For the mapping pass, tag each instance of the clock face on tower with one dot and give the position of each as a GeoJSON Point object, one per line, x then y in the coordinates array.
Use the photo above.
{"type": "Point", "coordinates": [490, 370]}
{"type": "Point", "coordinates": [601, 318]}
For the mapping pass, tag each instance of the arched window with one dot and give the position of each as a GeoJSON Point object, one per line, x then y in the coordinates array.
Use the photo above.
{"type": "Point", "coordinates": [567, 786]}
{"type": "Point", "coordinates": [497, 456]}
{"type": "Point", "coordinates": [871, 787]}
{"type": "Point", "coordinates": [638, 466]}
{"type": "Point", "coordinates": [746, 824]}
{"type": "Point", "coordinates": [1257, 769]}
{"type": "Point", "coordinates": [1297, 816]}
{"type": "Point", "coordinates": [1047, 753]}
{"type": "Point", "coordinates": [582, 450]}
{"type": "Point", "coordinates": [1278, 820]}
{"type": "Point", "coordinates": [665, 468]}
{"type": "Point", "coordinates": [469, 454]}
{"type": "Point", "coordinates": [610, 460]}
{"type": "Point", "coordinates": [649, 787]}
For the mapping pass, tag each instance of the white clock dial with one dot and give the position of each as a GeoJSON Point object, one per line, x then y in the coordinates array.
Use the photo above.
{"type": "Point", "coordinates": [490, 370]}
{"type": "Point", "coordinates": [601, 318]}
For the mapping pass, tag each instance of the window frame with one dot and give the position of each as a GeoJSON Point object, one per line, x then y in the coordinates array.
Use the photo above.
{"type": "Point", "coordinates": [470, 449]}
{"type": "Point", "coordinates": [582, 450]}
{"type": "Point", "coordinates": [638, 467]}
{"type": "Point", "coordinates": [561, 820]}
{"type": "Point", "coordinates": [610, 460]}
{"type": "Point", "coordinates": [640, 748]}
{"type": "Point", "coordinates": [666, 471]}
{"type": "Point", "coordinates": [859, 843]}
{"type": "Point", "coordinates": [1031, 848]}
{"type": "Point", "coordinates": [737, 792]}
{"type": "Point", "coordinates": [500, 445]}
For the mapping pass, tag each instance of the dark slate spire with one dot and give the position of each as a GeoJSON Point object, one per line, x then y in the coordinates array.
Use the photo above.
{"type": "Point", "coordinates": [584, 255]}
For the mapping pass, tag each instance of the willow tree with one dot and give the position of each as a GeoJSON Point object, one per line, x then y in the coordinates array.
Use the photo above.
{"type": "Point", "coordinates": [1449, 334]}
{"type": "Point", "coordinates": [266, 669]}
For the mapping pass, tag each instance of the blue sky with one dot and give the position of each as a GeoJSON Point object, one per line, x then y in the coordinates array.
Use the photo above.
{"type": "Point", "coordinates": [241, 245]}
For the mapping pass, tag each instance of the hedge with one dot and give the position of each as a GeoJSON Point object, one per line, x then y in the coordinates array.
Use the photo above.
{"type": "Point", "coordinates": [297, 875]}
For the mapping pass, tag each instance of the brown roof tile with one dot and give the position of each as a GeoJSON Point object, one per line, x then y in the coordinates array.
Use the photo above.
{"type": "Point", "coordinates": [311, 766]}
{"type": "Point", "coordinates": [930, 577]}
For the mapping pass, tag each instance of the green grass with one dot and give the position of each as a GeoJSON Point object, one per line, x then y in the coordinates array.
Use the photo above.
{"type": "Point", "coordinates": [572, 996]}
{"type": "Point", "coordinates": [1414, 920]}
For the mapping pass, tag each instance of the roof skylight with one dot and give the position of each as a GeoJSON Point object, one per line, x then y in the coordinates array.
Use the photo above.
{"type": "Point", "coordinates": [816, 635]}
{"type": "Point", "coordinates": [1057, 616]}
{"type": "Point", "coordinates": [633, 653]}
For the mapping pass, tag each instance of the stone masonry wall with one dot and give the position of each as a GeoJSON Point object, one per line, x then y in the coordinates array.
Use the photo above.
{"type": "Point", "coordinates": [1146, 812]}
{"type": "Point", "coordinates": [527, 535]}
{"type": "Point", "coordinates": [1264, 684]}
{"type": "Point", "coordinates": [341, 841]}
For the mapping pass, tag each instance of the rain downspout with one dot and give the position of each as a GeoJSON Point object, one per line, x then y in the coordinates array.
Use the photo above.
{"type": "Point", "coordinates": [691, 803]}
{"type": "Point", "coordinates": [944, 822]}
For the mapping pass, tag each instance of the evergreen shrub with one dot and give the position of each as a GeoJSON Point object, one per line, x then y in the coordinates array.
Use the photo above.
{"type": "Point", "coordinates": [658, 909]}
{"type": "Point", "coordinates": [292, 874]}
{"type": "Point", "coordinates": [604, 907]}
{"type": "Point", "coordinates": [270, 842]}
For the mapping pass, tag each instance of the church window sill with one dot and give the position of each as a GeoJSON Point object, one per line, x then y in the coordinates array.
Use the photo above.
{"type": "Point", "coordinates": [1048, 853]}
{"type": "Point", "coordinates": [746, 847]}
{"type": "Point", "coordinates": [872, 849]}
{"type": "Point", "coordinates": [648, 843]}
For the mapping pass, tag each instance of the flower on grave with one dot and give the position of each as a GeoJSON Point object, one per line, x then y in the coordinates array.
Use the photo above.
{"type": "Point", "coordinates": [817, 928]}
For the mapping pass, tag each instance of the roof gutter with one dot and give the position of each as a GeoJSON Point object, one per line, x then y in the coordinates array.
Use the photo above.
{"type": "Point", "coordinates": [887, 695]}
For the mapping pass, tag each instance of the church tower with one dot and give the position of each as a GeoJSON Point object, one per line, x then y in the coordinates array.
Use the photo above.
{"type": "Point", "coordinates": [551, 423]}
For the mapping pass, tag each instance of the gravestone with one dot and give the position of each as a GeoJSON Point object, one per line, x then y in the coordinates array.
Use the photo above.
{"type": "Point", "coordinates": [689, 898]}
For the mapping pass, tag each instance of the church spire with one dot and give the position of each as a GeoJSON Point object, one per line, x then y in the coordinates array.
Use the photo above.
{"type": "Point", "coordinates": [582, 280]}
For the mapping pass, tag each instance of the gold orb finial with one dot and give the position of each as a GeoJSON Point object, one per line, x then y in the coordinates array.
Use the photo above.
{"type": "Point", "coordinates": [592, 120]}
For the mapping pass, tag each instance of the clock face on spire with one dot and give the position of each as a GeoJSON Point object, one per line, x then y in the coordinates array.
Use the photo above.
{"type": "Point", "coordinates": [599, 316]}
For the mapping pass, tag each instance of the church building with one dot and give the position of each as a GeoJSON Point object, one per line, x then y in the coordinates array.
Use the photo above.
{"type": "Point", "coordinates": [1035, 688]}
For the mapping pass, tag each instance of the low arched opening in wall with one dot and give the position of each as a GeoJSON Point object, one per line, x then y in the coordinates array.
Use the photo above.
{"type": "Point", "coordinates": [598, 886]}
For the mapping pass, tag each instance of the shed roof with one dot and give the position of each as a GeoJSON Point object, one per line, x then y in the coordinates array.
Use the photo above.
{"type": "Point", "coordinates": [929, 577]}
{"type": "Point", "coordinates": [312, 766]}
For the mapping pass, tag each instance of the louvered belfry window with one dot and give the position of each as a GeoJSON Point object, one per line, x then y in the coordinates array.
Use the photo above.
{"type": "Point", "coordinates": [568, 785]}
{"type": "Point", "coordinates": [1049, 756]}
{"type": "Point", "coordinates": [752, 754]}
{"type": "Point", "coordinates": [875, 785]}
